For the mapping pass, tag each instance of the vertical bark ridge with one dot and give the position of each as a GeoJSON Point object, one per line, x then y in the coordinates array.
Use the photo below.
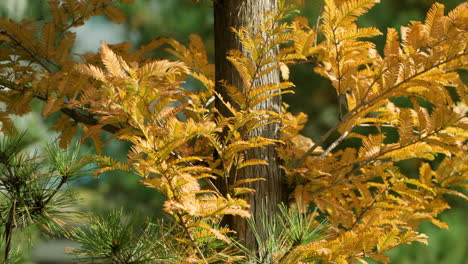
{"type": "Point", "coordinates": [230, 14]}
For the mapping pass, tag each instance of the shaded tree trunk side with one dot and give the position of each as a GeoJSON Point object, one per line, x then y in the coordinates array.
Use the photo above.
{"type": "Point", "coordinates": [235, 14]}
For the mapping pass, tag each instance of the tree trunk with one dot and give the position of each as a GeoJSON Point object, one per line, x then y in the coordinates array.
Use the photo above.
{"type": "Point", "coordinates": [230, 14]}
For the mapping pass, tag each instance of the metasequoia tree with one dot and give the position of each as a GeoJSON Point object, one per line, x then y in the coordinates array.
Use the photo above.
{"type": "Point", "coordinates": [214, 152]}
{"type": "Point", "coordinates": [230, 15]}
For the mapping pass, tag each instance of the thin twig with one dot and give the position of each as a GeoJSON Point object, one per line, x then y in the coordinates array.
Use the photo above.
{"type": "Point", "coordinates": [63, 180]}
{"type": "Point", "coordinates": [334, 144]}
{"type": "Point", "coordinates": [187, 231]}
{"type": "Point", "coordinates": [368, 207]}
{"type": "Point", "coordinates": [20, 44]}
{"type": "Point", "coordinates": [82, 16]}
{"type": "Point", "coordinates": [332, 185]}
{"type": "Point", "coordinates": [207, 180]}
{"type": "Point", "coordinates": [320, 141]}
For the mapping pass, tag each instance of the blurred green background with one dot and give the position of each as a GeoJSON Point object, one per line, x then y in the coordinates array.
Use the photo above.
{"type": "Point", "coordinates": [149, 19]}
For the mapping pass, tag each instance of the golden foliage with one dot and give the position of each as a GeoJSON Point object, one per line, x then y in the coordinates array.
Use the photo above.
{"type": "Point", "coordinates": [175, 133]}
{"type": "Point", "coordinates": [373, 206]}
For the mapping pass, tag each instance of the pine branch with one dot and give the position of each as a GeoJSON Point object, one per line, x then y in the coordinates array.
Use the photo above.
{"type": "Point", "coordinates": [8, 233]}
{"type": "Point", "coordinates": [63, 180]}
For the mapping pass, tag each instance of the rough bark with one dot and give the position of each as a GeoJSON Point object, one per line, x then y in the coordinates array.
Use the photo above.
{"type": "Point", "coordinates": [230, 14]}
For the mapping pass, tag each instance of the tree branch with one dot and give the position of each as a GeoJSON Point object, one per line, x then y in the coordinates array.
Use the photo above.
{"type": "Point", "coordinates": [355, 111]}
{"type": "Point", "coordinates": [75, 114]}
{"type": "Point", "coordinates": [334, 144]}
{"type": "Point", "coordinates": [32, 54]}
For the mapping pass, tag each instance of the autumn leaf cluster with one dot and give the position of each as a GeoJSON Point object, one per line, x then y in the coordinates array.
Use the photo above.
{"type": "Point", "coordinates": [183, 147]}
